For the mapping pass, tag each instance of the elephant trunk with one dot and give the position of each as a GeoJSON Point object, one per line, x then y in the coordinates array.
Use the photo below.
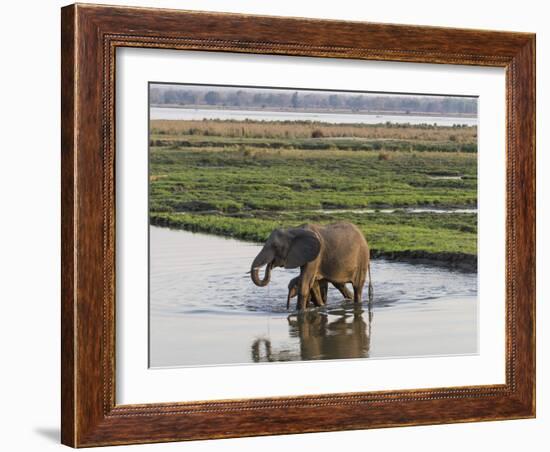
{"type": "Point", "coordinates": [292, 292]}
{"type": "Point", "coordinates": [265, 257]}
{"type": "Point", "coordinates": [255, 275]}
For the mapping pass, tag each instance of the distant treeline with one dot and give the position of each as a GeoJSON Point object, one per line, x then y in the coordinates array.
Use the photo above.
{"type": "Point", "coordinates": [302, 100]}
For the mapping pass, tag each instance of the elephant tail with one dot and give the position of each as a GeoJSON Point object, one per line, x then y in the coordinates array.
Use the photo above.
{"type": "Point", "coordinates": [370, 283]}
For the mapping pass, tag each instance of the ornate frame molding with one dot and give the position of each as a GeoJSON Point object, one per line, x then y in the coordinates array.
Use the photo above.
{"type": "Point", "coordinates": [90, 37]}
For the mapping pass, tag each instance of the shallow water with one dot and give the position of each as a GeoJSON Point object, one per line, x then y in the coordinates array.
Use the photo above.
{"type": "Point", "coordinates": [335, 118]}
{"type": "Point", "coordinates": [205, 310]}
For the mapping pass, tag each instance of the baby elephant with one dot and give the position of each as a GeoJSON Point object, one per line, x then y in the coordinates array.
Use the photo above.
{"type": "Point", "coordinates": [318, 292]}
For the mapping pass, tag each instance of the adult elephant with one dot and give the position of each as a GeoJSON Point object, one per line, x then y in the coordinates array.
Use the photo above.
{"type": "Point", "coordinates": [336, 252]}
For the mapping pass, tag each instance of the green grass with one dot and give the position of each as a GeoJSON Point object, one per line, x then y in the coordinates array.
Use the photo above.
{"type": "Point", "coordinates": [227, 180]}
{"type": "Point", "coordinates": [244, 187]}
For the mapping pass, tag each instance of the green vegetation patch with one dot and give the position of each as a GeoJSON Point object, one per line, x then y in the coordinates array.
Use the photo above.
{"type": "Point", "coordinates": [244, 187]}
{"type": "Point", "coordinates": [227, 180]}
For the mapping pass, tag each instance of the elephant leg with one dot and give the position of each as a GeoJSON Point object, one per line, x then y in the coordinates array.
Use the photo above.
{"type": "Point", "coordinates": [317, 295]}
{"type": "Point", "coordinates": [300, 302]}
{"type": "Point", "coordinates": [303, 300]}
{"type": "Point", "coordinates": [357, 294]}
{"type": "Point", "coordinates": [343, 290]}
{"type": "Point", "coordinates": [307, 279]}
{"type": "Point", "coordinates": [358, 289]}
{"type": "Point", "coordinates": [323, 286]}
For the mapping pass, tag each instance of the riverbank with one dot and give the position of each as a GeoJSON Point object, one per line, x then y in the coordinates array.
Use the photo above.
{"type": "Point", "coordinates": [242, 179]}
{"type": "Point", "coordinates": [313, 134]}
{"type": "Point", "coordinates": [391, 242]}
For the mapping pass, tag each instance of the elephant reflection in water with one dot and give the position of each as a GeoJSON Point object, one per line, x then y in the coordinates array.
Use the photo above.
{"type": "Point", "coordinates": [281, 355]}
{"type": "Point", "coordinates": [348, 336]}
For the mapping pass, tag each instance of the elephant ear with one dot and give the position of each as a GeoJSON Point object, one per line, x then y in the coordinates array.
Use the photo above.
{"type": "Point", "coordinates": [305, 247]}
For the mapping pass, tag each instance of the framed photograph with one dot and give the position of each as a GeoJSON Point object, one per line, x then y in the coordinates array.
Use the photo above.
{"type": "Point", "coordinates": [281, 225]}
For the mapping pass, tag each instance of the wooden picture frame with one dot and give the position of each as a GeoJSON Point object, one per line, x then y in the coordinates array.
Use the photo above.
{"type": "Point", "coordinates": [90, 36]}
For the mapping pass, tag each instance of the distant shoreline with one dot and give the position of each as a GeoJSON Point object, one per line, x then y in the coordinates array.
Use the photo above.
{"type": "Point", "coordinates": [313, 110]}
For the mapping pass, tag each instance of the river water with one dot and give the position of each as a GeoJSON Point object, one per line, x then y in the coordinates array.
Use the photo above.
{"type": "Point", "coordinates": [205, 310]}
{"type": "Point", "coordinates": [335, 118]}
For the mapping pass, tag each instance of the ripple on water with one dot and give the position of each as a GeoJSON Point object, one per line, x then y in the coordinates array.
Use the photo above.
{"type": "Point", "coordinates": [200, 273]}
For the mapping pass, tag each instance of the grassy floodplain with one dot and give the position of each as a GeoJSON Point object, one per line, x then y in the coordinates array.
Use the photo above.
{"type": "Point", "coordinates": [244, 178]}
